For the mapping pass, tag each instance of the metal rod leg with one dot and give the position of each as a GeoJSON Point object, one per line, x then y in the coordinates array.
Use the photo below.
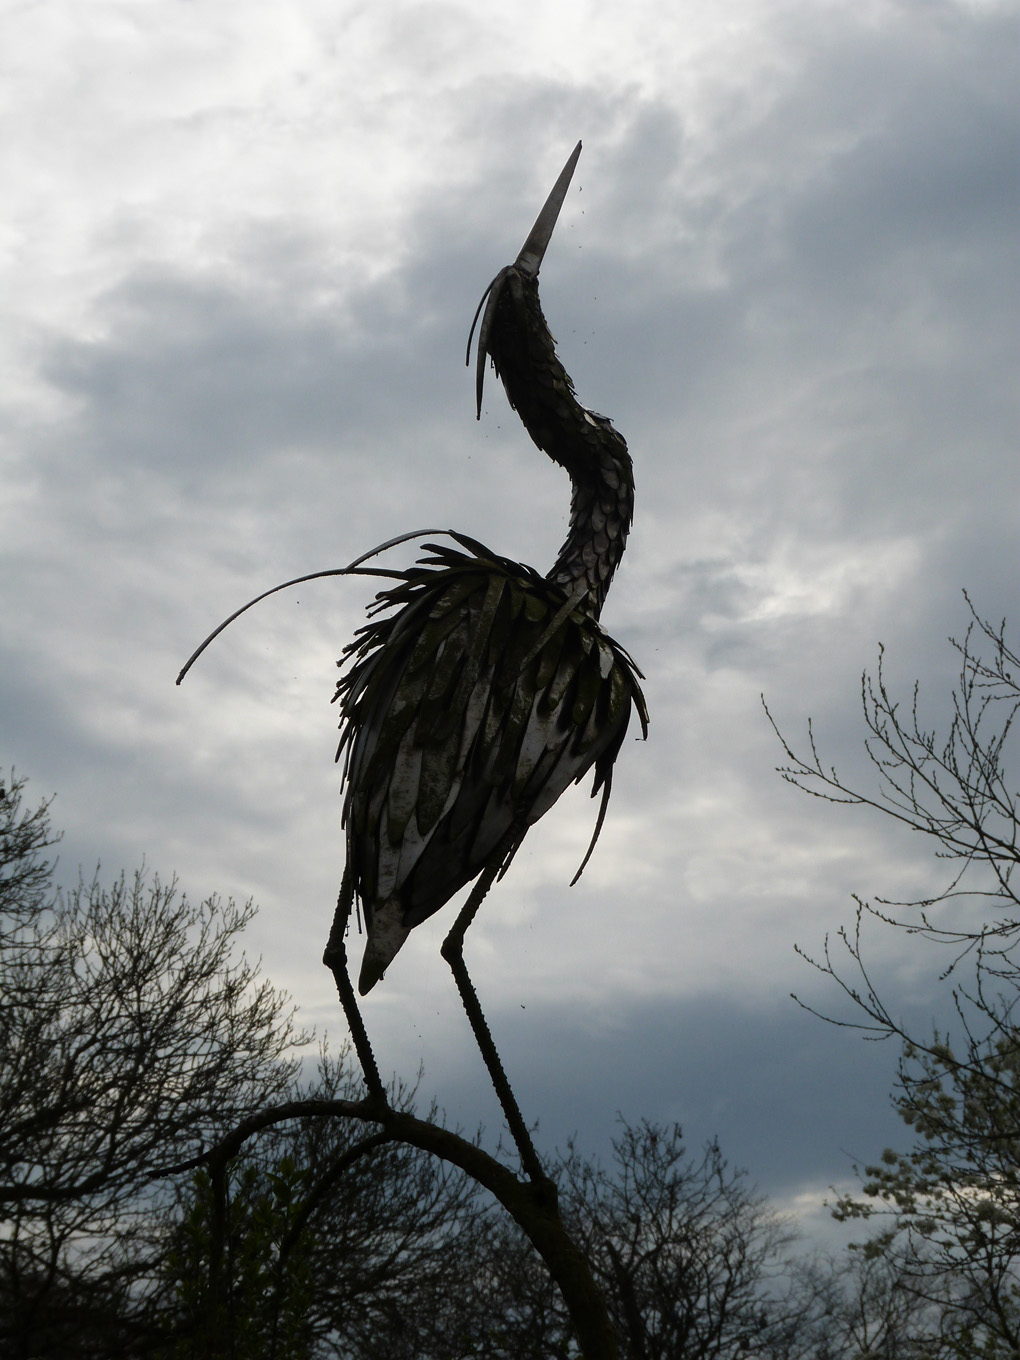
{"type": "Point", "coordinates": [335, 959]}
{"type": "Point", "coordinates": [453, 953]}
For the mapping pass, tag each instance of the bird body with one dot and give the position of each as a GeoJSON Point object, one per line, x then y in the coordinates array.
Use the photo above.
{"type": "Point", "coordinates": [481, 689]}
{"type": "Point", "coordinates": [466, 713]}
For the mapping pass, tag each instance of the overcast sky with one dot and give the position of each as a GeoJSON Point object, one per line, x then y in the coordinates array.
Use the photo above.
{"type": "Point", "coordinates": [242, 244]}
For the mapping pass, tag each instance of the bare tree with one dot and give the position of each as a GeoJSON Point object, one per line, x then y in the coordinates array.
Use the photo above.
{"type": "Point", "coordinates": [692, 1261]}
{"type": "Point", "coordinates": [331, 1244]}
{"type": "Point", "coordinates": [131, 1036]}
{"type": "Point", "coordinates": [952, 1200]}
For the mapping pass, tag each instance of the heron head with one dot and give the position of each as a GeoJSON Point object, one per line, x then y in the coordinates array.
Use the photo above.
{"type": "Point", "coordinates": [528, 263]}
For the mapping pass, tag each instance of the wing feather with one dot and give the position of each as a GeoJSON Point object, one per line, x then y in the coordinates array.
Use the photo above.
{"type": "Point", "coordinates": [477, 693]}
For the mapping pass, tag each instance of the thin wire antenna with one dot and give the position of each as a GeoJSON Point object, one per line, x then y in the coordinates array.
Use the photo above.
{"type": "Point", "coordinates": [353, 569]}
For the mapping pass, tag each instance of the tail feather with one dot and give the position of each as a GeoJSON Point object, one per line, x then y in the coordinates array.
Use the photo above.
{"type": "Point", "coordinates": [386, 933]}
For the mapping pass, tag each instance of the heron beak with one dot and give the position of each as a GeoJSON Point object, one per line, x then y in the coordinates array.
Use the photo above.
{"type": "Point", "coordinates": [529, 261]}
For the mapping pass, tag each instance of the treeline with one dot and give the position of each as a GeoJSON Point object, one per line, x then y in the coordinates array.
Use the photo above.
{"type": "Point", "coordinates": [135, 1037]}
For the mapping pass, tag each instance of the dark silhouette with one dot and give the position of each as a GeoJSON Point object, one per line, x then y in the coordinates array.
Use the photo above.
{"type": "Point", "coordinates": [489, 688]}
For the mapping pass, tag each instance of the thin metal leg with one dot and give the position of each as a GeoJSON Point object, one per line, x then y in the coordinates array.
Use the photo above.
{"type": "Point", "coordinates": [335, 959]}
{"type": "Point", "coordinates": [453, 953]}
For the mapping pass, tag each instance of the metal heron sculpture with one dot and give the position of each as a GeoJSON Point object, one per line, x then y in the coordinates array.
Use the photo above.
{"type": "Point", "coordinates": [481, 689]}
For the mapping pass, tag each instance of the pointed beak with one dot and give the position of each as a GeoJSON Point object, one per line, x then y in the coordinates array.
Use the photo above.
{"type": "Point", "coordinates": [529, 261]}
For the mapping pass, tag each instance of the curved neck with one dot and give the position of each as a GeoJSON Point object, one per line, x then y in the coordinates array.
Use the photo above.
{"type": "Point", "coordinates": [601, 511]}
{"type": "Point", "coordinates": [595, 455]}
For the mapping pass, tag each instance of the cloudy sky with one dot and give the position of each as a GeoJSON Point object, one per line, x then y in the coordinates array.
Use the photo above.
{"type": "Point", "coordinates": [242, 243]}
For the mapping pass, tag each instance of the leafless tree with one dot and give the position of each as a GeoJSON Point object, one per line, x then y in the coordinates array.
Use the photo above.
{"type": "Point", "coordinates": [692, 1261]}
{"type": "Point", "coordinates": [952, 1200]}
{"type": "Point", "coordinates": [131, 1036]}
